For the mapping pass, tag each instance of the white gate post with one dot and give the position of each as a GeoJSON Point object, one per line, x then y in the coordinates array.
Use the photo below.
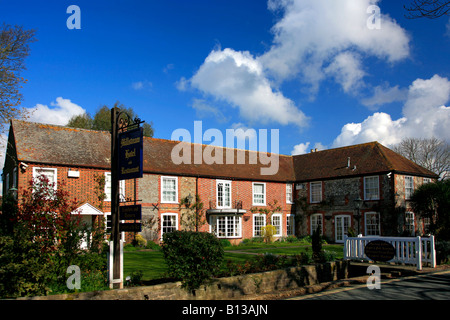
{"type": "Point", "coordinates": [432, 252]}
{"type": "Point", "coordinates": [419, 253]}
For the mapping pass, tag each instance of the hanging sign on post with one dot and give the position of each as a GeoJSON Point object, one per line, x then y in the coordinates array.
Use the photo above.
{"type": "Point", "coordinates": [130, 154]}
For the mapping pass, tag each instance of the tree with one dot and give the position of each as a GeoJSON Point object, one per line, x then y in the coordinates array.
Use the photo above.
{"type": "Point", "coordinates": [102, 120]}
{"type": "Point", "coordinates": [14, 48]}
{"type": "Point", "coordinates": [432, 201]}
{"type": "Point", "coordinates": [432, 154]}
{"type": "Point", "coordinates": [431, 9]}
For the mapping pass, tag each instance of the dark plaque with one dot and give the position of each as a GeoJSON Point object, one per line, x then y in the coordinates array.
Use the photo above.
{"type": "Point", "coordinates": [130, 227]}
{"type": "Point", "coordinates": [130, 154]}
{"type": "Point", "coordinates": [379, 250]}
{"type": "Point", "coordinates": [133, 212]}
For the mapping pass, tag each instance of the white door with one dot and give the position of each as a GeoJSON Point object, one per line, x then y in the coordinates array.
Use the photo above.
{"type": "Point", "coordinates": [87, 221]}
{"type": "Point", "coordinates": [342, 223]}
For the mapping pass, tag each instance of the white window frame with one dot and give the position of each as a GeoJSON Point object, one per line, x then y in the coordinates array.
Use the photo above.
{"type": "Point", "coordinates": [162, 189]}
{"type": "Point", "coordinates": [36, 173]}
{"type": "Point", "coordinates": [290, 224]}
{"type": "Point", "coordinates": [230, 222]}
{"type": "Point", "coordinates": [426, 180]}
{"type": "Point", "coordinates": [224, 183]}
{"type": "Point", "coordinates": [255, 217]}
{"type": "Point", "coordinates": [314, 222]}
{"type": "Point", "coordinates": [263, 194]}
{"type": "Point", "coordinates": [372, 189]}
{"type": "Point", "coordinates": [311, 194]}
{"type": "Point", "coordinates": [341, 231]}
{"type": "Point", "coordinates": [410, 222]}
{"type": "Point", "coordinates": [168, 214]}
{"type": "Point", "coordinates": [108, 186]}
{"type": "Point", "coordinates": [369, 224]}
{"type": "Point", "coordinates": [409, 187]}
{"type": "Point", "coordinates": [279, 226]}
{"type": "Point", "coordinates": [289, 193]}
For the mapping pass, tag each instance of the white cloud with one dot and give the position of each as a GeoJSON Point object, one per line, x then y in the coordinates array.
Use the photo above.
{"type": "Point", "coordinates": [59, 112]}
{"type": "Point", "coordinates": [347, 70]}
{"type": "Point", "coordinates": [303, 148]}
{"type": "Point", "coordinates": [204, 109]}
{"type": "Point", "coordinates": [424, 116]}
{"type": "Point", "coordinates": [314, 34]}
{"type": "Point", "coordinates": [238, 78]}
{"type": "Point", "coordinates": [383, 95]}
{"type": "Point", "coordinates": [140, 85]}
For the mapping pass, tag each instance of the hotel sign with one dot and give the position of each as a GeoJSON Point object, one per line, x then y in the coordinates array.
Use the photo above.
{"type": "Point", "coordinates": [131, 154]}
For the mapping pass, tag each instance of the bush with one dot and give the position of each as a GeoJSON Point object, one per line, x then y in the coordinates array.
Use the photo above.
{"type": "Point", "coordinates": [193, 257]}
{"type": "Point", "coordinates": [268, 233]}
{"type": "Point", "coordinates": [139, 241]}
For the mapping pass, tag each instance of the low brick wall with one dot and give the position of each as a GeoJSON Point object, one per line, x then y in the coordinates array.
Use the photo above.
{"type": "Point", "coordinates": [222, 288]}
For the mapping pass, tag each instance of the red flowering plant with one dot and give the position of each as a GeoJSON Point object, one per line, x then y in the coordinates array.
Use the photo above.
{"type": "Point", "coordinates": [50, 216]}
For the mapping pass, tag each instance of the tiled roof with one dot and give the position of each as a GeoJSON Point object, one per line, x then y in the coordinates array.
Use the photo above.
{"type": "Point", "coordinates": [58, 145]}
{"type": "Point", "coordinates": [356, 160]}
{"type": "Point", "coordinates": [50, 144]}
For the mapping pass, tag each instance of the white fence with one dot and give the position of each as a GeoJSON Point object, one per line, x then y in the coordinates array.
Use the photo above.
{"type": "Point", "coordinates": [408, 250]}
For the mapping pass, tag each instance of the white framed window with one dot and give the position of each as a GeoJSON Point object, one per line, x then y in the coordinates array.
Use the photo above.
{"type": "Point", "coordinates": [169, 223]}
{"type": "Point", "coordinates": [317, 222]}
{"type": "Point", "coordinates": [409, 187]}
{"type": "Point", "coordinates": [229, 226]}
{"type": "Point", "coordinates": [169, 189]}
{"type": "Point", "coordinates": [409, 223]}
{"type": "Point", "coordinates": [108, 188]}
{"type": "Point", "coordinates": [277, 219]}
{"type": "Point", "coordinates": [290, 224]}
{"type": "Point", "coordinates": [289, 196]}
{"type": "Point", "coordinates": [259, 221]}
{"type": "Point", "coordinates": [50, 173]}
{"type": "Point", "coordinates": [372, 223]}
{"type": "Point", "coordinates": [259, 194]}
{"type": "Point", "coordinates": [315, 192]}
{"type": "Point", "coordinates": [223, 194]}
{"type": "Point", "coordinates": [371, 188]}
{"type": "Point", "coordinates": [426, 180]}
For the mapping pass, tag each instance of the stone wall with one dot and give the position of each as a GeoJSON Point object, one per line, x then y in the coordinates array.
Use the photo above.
{"type": "Point", "coordinates": [223, 288]}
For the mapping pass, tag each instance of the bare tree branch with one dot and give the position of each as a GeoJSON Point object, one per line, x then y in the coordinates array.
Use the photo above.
{"type": "Point", "coordinates": [431, 9]}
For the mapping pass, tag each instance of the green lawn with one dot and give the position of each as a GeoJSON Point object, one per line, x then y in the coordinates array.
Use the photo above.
{"type": "Point", "coordinates": [153, 266]}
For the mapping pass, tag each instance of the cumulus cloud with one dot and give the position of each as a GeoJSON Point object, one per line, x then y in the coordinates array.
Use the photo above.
{"type": "Point", "coordinates": [424, 116]}
{"type": "Point", "coordinates": [384, 94]}
{"type": "Point", "coordinates": [59, 112]}
{"type": "Point", "coordinates": [238, 78]}
{"type": "Point", "coordinates": [303, 148]}
{"type": "Point", "coordinates": [315, 36]}
{"type": "Point", "coordinates": [313, 41]}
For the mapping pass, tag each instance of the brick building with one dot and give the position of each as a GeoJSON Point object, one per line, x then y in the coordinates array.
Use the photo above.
{"type": "Point", "coordinates": [316, 189]}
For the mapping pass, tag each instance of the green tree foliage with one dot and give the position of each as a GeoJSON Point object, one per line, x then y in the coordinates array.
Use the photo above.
{"type": "Point", "coordinates": [102, 120]}
{"type": "Point", "coordinates": [14, 48]}
{"type": "Point", "coordinates": [43, 240]}
{"type": "Point", "coordinates": [432, 200]}
{"type": "Point", "coordinates": [193, 257]}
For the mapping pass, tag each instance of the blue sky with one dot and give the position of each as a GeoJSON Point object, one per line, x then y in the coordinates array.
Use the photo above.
{"type": "Point", "coordinates": [314, 70]}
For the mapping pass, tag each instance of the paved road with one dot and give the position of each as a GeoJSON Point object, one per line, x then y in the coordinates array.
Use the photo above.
{"type": "Point", "coordinates": [431, 286]}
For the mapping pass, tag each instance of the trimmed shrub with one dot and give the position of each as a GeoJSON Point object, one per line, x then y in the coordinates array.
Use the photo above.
{"type": "Point", "coordinates": [193, 257]}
